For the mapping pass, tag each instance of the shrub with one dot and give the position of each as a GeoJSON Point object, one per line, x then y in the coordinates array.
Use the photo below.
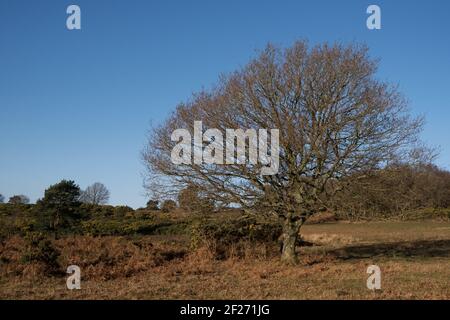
{"type": "Point", "coordinates": [152, 205]}
{"type": "Point", "coordinates": [168, 206]}
{"type": "Point", "coordinates": [41, 250]}
{"type": "Point", "coordinates": [124, 227]}
{"type": "Point", "coordinates": [15, 219]}
{"type": "Point", "coordinates": [219, 234]}
{"type": "Point", "coordinates": [122, 211]}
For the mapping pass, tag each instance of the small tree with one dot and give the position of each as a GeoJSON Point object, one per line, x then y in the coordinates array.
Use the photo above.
{"type": "Point", "coordinates": [152, 205]}
{"type": "Point", "coordinates": [19, 199]}
{"type": "Point", "coordinates": [95, 194]}
{"type": "Point", "coordinates": [2, 198]}
{"type": "Point", "coordinates": [168, 206]}
{"type": "Point", "coordinates": [60, 204]}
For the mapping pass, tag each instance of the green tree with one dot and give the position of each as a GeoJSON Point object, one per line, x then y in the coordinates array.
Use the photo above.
{"type": "Point", "coordinates": [60, 204]}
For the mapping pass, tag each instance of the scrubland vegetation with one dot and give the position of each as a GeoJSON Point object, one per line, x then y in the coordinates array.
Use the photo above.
{"type": "Point", "coordinates": [154, 254]}
{"type": "Point", "coordinates": [190, 249]}
{"type": "Point", "coordinates": [170, 263]}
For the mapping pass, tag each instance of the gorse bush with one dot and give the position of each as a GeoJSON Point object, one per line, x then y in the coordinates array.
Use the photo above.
{"type": "Point", "coordinates": [95, 211]}
{"type": "Point", "coordinates": [16, 219]}
{"type": "Point", "coordinates": [220, 233]}
{"type": "Point", "coordinates": [168, 206]}
{"type": "Point", "coordinates": [118, 227]}
{"type": "Point", "coordinates": [122, 211]}
{"type": "Point", "coordinates": [140, 223]}
{"type": "Point", "coordinates": [153, 205]}
{"type": "Point", "coordinates": [90, 219]}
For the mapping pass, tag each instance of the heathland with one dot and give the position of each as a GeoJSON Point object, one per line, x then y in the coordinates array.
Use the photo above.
{"type": "Point", "coordinates": [154, 254]}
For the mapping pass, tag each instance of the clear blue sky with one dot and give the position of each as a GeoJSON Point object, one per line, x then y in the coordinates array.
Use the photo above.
{"type": "Point", "coordinates": [77, 104]}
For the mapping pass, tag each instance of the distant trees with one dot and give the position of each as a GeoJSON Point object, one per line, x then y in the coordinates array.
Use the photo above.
{"type": "Point", "coordinates": [19, 199]}
{"type": "Point", "coordinates": [2, 198]}
{"type": "Point", "coordinates": [95, 194]}
{"type": "Point", "coordinates": [153, 204]}
{"type": "Point", "coordinates": [60, 204]}
{"type": "Point", "coordinates": [393, 190]}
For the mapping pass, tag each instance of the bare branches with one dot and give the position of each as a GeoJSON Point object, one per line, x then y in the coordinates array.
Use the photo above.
{"type": "Point", "coordinates": [334, 117]}
{"type": "Point", "coordinates": [95, 194]}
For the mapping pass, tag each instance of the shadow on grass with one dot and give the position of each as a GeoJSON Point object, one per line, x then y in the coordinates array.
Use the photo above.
{"type": "Point", "coordinates": [404, 249]}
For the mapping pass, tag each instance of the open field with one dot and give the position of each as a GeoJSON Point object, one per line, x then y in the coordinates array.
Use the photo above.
{"type": "Point", "coordinates": [414, 258]}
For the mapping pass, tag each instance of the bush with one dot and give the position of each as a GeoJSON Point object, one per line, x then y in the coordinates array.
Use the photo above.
{"type": "Point", "coordinates": [15, 219]}
{"type": "Point", "coordinates": [41, 250]}
{"type": "Point", "coordinates": [130, 226]}
{"type": "Point", "coordinates": [218, 234]}
{"type": "Point", "coordinates": [115, 227]}
{"type": "Point", "coordinates": [122, 211]}
{"type": "Point", "coordinates": [168, 206]}
{"type": "Point", "coordinates": [152, 205]}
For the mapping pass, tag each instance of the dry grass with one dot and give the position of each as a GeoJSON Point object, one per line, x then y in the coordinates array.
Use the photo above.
{"type": "Point", "coordinates": [413, 257]}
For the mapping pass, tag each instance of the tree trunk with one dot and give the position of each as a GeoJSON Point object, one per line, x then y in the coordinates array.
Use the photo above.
{"type": "Point", "coordinates": [290, 235]}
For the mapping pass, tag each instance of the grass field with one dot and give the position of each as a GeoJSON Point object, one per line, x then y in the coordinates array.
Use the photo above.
{"type": "Point", "coordinates": [414, 258]}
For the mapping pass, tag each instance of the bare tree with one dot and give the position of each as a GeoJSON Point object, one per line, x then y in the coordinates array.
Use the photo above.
{"type": "Point", "coordinates": [335, 119]}
{"type": "Point", "coordinates": [394, 191]}
{"type": "Point", "coordinates": [95, 194]}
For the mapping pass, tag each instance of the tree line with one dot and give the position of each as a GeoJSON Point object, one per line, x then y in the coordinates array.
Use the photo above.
{"type": "Point", "coordinates": [96, 193]}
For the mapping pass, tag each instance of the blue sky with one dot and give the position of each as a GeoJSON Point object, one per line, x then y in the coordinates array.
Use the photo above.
{"type": "Point", "coordinates": [77, 104]}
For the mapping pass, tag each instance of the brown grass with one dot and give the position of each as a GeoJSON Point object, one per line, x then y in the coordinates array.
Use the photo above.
{"type": "Point", "coordinates": [413, 257]}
